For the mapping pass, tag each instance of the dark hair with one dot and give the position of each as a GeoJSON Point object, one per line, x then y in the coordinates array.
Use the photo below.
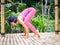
{"type": "Point", "coordinates": [12, 19]}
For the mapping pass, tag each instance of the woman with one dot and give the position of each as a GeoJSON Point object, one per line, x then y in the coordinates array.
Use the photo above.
{"type": "Point", "coordinates": [24, 19]}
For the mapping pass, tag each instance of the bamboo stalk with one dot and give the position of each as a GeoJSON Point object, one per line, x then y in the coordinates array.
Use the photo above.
{"type": "Point", "coordinates": [56, 16]}
{"type": "Point", "coordinates": [2, 17]}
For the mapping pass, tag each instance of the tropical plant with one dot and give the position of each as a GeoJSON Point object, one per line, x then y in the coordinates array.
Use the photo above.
{"type": "Point", "coordinates": [38, 23]}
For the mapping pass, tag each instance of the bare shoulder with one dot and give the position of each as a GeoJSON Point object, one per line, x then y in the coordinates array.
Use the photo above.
{"type": "Point", "coordinates": [19, 17]}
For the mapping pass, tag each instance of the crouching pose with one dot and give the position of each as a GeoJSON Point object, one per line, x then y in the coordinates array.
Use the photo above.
{"type": "Point", "coordinates": [24, 19]}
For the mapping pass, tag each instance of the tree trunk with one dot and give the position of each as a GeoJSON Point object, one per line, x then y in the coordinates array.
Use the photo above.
{"type": "Point", "coordinates": [21, 1]}
{"type": "Point", "coordinates": [45, 7]}
{"type": "Point", "coordinates": [42, 11]}
{"type": "Point", "coordinates": [48, 20]}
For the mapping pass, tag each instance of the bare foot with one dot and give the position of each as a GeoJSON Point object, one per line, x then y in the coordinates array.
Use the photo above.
{"type": "Point", "coordinates": [26, 35]}
{"type": "Point", "coordinates": [38, 36]}
{"type": "Point", "coordinates": [37, 33]}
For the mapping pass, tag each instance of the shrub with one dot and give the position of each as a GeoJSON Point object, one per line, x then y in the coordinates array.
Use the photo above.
{"type": "Point", "coordinates": [21, 7]}
{"type": "Point", "coordinates": [38, 23]}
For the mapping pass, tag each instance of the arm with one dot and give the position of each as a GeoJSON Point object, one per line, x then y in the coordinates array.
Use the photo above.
{"type": "Point", "coordinates": [22, 23]}
{"type": "Point", "coordinates": [25, 27]}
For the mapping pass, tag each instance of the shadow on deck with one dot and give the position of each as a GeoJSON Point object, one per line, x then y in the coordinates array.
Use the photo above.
{"type": "Point", "coordinates": [19, 39]}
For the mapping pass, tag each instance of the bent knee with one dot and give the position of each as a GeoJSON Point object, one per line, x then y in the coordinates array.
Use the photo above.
{"type": "Point", "coordinates": [33, 9]}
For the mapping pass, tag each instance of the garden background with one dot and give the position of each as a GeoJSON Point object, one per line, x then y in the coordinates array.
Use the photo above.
{"type": "Point", "coordinates": [44, 19]}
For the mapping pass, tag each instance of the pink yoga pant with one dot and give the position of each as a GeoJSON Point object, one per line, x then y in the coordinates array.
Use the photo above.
{"type": "Point", "coordinates": [27, 15]}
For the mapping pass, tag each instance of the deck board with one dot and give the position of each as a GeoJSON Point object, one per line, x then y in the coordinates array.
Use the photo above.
{"type": "Point", "coordinates": [19, 39]}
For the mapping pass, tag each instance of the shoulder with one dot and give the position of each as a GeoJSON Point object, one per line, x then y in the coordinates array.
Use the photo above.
{"type": "Point", "coordinates": [19, 17]}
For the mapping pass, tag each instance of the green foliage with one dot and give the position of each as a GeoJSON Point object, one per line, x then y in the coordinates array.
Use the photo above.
{"type": "Point", "coordinates": [8, 5]}
{"type": "Point", "coordinates": [38, 23]}
{"type": "Point", "coordinates": [19, 27]}
{"type": "Point", "coordinates": [21, 7]}
{"type": "Point", "coordinates": [51, 26]}
{"type": "Point", "coordinates": [38, 8]}
{"type": "Point", "coordinates": [8, 13]}
{"type": "Point", "coordinates": [8, 27]}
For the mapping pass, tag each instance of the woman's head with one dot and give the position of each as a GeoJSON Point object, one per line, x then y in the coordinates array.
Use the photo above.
{"type": "Point", "coordinates": [12, 20]}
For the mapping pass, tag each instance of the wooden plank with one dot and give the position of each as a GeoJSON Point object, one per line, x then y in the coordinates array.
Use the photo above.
{"type": "Point", "coordinates": [35, 42]}
{"type": "Point", "coordinates": [8, 43]}
{"type": "Point", "coordinates": [17, 39]}
{"type": "Point", "coordinates": [12, 42]}
{"type": "Point", "coordinates": [24, 40]}
{"type": "Point", "coordinates": [32, 38]}
{"type": "Point", "coordinates": [10, 39]}
{"type": "Point", "coordinates": [5, 40]}
{"type": "Point", "coordinates": [31, 42]}
{"type": "Point", "coordinates": [27, 41]}
{"type": "Point", "coordinates": [2, 40]}
{"type": "Point", "coordinates": [36, 39]}
{"type": "Point", "coordinates": [19, 36]}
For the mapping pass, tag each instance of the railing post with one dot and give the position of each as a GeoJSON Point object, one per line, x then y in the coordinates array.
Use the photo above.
{"type": "Point", "coordinates": [2, 18]}
{"type": "Point", "coordinates": [56, 17]}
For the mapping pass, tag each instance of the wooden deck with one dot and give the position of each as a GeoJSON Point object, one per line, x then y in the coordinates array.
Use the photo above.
{"type": "Point", "coordinates": [18, 39]}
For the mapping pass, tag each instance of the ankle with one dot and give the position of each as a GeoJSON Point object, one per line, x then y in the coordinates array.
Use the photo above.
{"type": "Point", "coordinates": [36, 32]}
